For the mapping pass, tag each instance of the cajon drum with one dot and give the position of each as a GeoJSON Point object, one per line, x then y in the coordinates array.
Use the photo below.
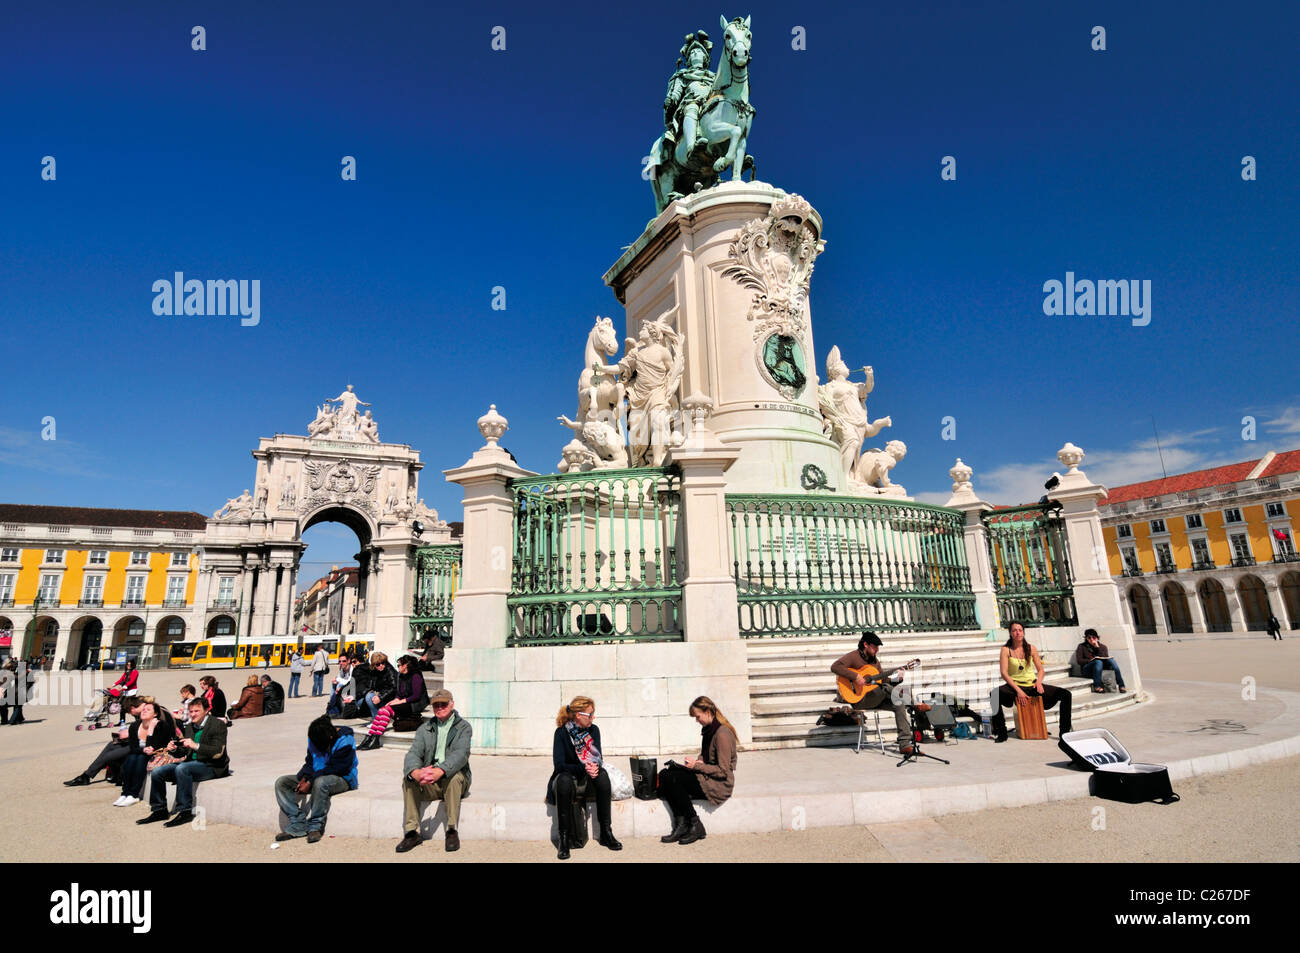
{"type": "Point", "coordinates": [1031, 723]}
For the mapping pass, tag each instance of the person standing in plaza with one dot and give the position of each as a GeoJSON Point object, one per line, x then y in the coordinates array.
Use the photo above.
{"type": "Point", "coordinates": [710, 777]}
{"type": "Point", "coordinates": [320, 666]}
{"type": "Point", "coordinates": [579, 771]}
{"type": "Point", "coordinates": [296, 667]}
{"type": "Point", "coordinates": [330, 769]}
{"type": "Point", "coordinates": [436, 769]}
{"type": "Point", "coordinates": [1274, 627]}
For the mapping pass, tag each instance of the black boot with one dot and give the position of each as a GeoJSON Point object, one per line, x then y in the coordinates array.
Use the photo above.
{"type": "Point", "coordinates": [694, 832]}
{"type": "Point", "coordinates": [377, 741]}
{"type": "Point", "coordinates": [606, 839]}
{"type": "Point", "coordinates": [78, 781]}
{"type": "Point", "coordinates": [563, 853]}
{"type": "Point", "coordinates": [680, 827]}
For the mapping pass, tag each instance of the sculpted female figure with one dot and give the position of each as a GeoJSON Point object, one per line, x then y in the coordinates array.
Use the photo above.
{"type": "Point", "coordinates": [652, 372]}
{"type": "Point", "coordinates": [844, 410]}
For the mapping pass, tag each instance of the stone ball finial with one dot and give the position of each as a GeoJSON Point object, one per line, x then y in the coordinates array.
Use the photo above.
{"type": "Point", "coordinates": [699, 407]}
{"type": "Point", "coordinates": [1071, 456]}
{"type": "Point", "coordinates": [492, 425]}
{"type": "Point", "coordinates": [960, 474]}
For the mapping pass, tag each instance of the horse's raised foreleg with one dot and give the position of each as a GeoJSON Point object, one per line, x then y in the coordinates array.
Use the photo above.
{"type": "Point", "coordinates": [730, 158]}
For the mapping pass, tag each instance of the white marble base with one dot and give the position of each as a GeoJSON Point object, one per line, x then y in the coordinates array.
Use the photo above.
{"type": "Point", "coordinates": [642, 692]}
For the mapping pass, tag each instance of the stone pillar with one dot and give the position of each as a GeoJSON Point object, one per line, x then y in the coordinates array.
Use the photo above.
{"type": "Point", "coordinates": [1196, 611]}
{"type": "Point", "coordinates": [975, 538]}
{"type": "Point", "coordinates": [480, 620]}
{"type": "Point", "coordinates": [1276, 604]}
{"type": "Point", "coordinates": [1096, 597]}
{"type": "Point", "coordinates": [244, 621]}
{"type": "Point", "coordinates": [263, 600]}
{"type": "Point", "coordinates": [709, 606]}
{"type": "Point", "coordinates": [284, 602]}
{"type": "Point", "coordinates": [1235, 615]}
{"type": "Point", "coordinates": [1158, 611]}
{"type": "Point", "coordinates": [391, 588]}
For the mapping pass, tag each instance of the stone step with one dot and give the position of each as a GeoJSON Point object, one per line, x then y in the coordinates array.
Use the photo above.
{"type": "Point", "coordinates": [931, 670]}
{"type": "Point", "coordinates": [821, 661]}
{"type": "Point", "coordinates": [841, 643]}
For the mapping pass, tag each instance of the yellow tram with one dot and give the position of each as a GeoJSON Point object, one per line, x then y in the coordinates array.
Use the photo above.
{"type": "Point", "coordinates": [255, 652]}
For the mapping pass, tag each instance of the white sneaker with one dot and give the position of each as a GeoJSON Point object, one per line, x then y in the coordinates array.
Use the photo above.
{"type": "Point", "coordinates": [121, 801]}
{"type": "Point", "coordinates": [127, 801]}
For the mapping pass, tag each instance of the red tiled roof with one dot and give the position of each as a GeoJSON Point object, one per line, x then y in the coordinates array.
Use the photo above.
{"type": "Point", "coordinates": [1182, 482]}
{"type": "Point", "coordinates": [1288, 462]}
{"type": "Point", "coordinates": [86, 516]}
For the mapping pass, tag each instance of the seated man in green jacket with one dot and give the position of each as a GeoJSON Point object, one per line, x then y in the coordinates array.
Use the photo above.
{"type": "Point", "coordinates": [436, 769]}
{"type": "Point", "coordinates": [204, 751]}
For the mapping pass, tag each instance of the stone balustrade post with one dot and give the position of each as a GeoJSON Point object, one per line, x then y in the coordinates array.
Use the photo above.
{"type": "Point", "coordinates": [1097, 601]}
{"type": "Point", "coordinates": [480, 620]}
{"type": "Point", "coordinates": [975, 538]}
{"type": "Point", "coordinates": [709, 605]}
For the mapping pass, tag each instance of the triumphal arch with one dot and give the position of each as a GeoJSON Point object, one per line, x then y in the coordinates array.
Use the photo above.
{"type": "Point", "coordinates": [339, 471]}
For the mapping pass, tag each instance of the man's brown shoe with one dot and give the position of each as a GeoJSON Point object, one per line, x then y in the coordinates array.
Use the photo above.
{"type": "Point", "coordinates": [409, 842]}
{"type": "Point", "coordinates": [453, 840]}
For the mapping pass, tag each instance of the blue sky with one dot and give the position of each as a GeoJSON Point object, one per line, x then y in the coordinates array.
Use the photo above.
{"type": "Point", "coordinates": [521, 169]}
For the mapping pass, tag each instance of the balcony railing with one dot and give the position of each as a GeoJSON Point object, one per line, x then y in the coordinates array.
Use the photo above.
{"type": "Point", "coordinates": [1132, 571]}
{"type": "Point", "coordinates": [1203, 564]}
{"type": "Point", "coordinates": [1239, 561]}
{"type": "Point", "coordinates": [46, 602]}
{"type": "Point", "coordinates": [224, 604]}
{"type": "Point", "coordinates": [1166, 567]}
{"type": "Point", "coordinates": [6, 602]}
{"type": "Point", "coordinates": [132, 603]}
{"type": "Point", "coordinates": [90, 603]}
{"type": "Point", "coordinates": [1286, 557]}
{"type": "Point", "coordinates": [174, 603]}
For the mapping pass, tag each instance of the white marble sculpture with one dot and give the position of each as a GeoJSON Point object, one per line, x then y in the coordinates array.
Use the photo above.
{"type": "Point", "coordinates": [263, 494]}
{"type": "Point", "coordinates": [344, 422]}
{"type": "Point", "coordinates": [844, 411]}
{"type": "Point", "coordinates": [288, 491]}
{"type": "Point", "coordinates": [236, 508]}
{"type": "Point", "coordinates": [651, 372]}
{"type": "Point", "coordinates": [600, 442]}
{"type": "Point", "coordinates": [874, 466]}
{"type": "Point", "coordinates": [599, 388]}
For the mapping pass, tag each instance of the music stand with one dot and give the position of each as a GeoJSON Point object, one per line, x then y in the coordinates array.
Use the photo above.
{"type": "Point", "coordinates": [916, 745]}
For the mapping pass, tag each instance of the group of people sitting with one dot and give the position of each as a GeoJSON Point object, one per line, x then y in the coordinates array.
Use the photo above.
{"type": "Point", "coordinates": [1019, 665]}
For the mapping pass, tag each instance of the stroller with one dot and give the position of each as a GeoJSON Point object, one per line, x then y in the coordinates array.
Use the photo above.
{"type": "Point", "coordinates": [106, 710]}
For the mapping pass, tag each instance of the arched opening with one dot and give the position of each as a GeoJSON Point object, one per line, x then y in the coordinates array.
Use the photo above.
{"type": "Point", "coordinates": [1177, 613]}
{"type": "Point", "coordinates": [1215, 606]}
{"type": "Point", "coordinates": [129, 631]}
{"type": "Point", "coordinates": [1254, 603]}
{"type": "Point", "coordinates": [7, 646]}
{"type": "Point", "coordinates": [1144, 617]}
{"type": "Point", "coordinates": [41, 637]}
{"type": "Point", "coordinates": [221, 625]}
{"type": "Point", "coordinates": [85, 641]}
{"type": "Point", "coordinates": [169, 629]}
{"type": "Point", "coordinates": [334, 570]}
{"type": "Point", "coordinates": [1291, 599]}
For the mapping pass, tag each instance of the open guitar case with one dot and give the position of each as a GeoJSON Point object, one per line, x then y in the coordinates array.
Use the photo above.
{"type": "Point", "coordinates": [1116, 776]}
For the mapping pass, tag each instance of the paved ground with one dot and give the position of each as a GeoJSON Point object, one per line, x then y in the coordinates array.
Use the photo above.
{"type": "Point", "coordinates": [41, 820]}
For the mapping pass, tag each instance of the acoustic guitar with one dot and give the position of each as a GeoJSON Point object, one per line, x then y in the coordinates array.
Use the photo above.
{"type": "Point", "coordinates": [871, 674]}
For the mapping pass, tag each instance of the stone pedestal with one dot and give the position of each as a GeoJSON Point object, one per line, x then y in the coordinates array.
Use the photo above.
{"type": "Point", "coordinates": [1096, 597]}
{"type": "Point", "coordinates": [729, 268]}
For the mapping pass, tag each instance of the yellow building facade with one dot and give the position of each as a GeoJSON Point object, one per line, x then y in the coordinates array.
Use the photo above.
{"type": "Point", "coordinates": [85, 586]}
{"type": "Point", "coordinates": [1211, 550]}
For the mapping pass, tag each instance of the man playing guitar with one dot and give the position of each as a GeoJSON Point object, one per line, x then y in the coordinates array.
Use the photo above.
{"type": "Point", "coordinates": [860, 670]}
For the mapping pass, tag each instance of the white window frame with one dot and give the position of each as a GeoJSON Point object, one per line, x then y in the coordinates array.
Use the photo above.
{"type": "Point", "coordinates": [1162, 531]}
{"type": "Point", "coordinates": [226, 589]}
{"type": "Point", "coordinates": [1169, 551]}
{"type": "Point", "coordinates": [7, 580]}
{"type": "Point", "coordinates": [139, 558]}
{"type": "Point", "coordinates": [1199, 524]}
{"type": "Point", "coordinates": [1128, 557]}
{"type": "Point", "coordinates": [10, 554]}
{"type": "Point", "coordinates": [1280, 548]}
{"type": "Point", "coordinates": [180, 560]}
{"type": "Point", "coordinates": [1232, 509]}
{"type": "Point", "coordinates": [55, 557]}
{"type": "Point", "coordinates": [131, 579]}
{"type": "Point", "coordinates": [46, 590]}
{"type": "Point", "coordinates": [97, 557]}
{"type": "Point", "coordinates": [92, 587]}
{"type": "Point", "coordinates": [1204, 541]}
{"type": "Point", "coordinates": [1279, 515]}
{"type": "Point", "coordinates": [1123, 531]}
{"type": "Point", "coordinates": [175, 584]}
{"type": "Point", "coordinates": [1240, 552]}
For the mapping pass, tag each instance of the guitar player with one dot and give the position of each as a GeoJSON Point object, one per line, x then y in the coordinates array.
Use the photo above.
{"type": "Point", "coordinates": [846, 667]}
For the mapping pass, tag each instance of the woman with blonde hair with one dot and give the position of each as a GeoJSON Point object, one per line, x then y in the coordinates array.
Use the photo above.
{"type": "Point", "coordinates": [711, 776]}
{"type": "Point", "coordinates": [250, 700]}
{"type": "Point", "coordinates": [579, 771]}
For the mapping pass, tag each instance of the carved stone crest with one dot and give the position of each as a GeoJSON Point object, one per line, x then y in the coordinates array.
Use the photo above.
{"type": "Point", "coordinates": [774, 257]}
{"type": "Point", "coordinates": [342, 482]}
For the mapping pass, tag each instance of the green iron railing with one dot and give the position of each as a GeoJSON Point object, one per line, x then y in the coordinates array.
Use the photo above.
{"type": "Point", "coordinates": [437, 578]}
{"type": "Point", "coordinates": [1030, 561]}
{"type": "Point", "coordinates": [595, 558]}
{"type": "Point", "coordinates": [818, 565]}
